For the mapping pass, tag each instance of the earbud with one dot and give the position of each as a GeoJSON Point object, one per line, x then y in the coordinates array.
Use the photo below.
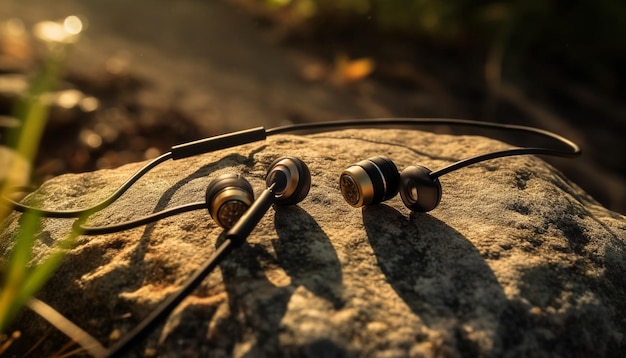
{"type": "Point", "coordinates": [419, 192]}
{"type": "Point", "coordinates": [288, 181]}
{"type": "Point", "coordinates": [374, 180]}
{"type": "Point", "coordinates": [291, 179]}
{"type": "Point", "coordinates": [369, 181]}
{"type": "Point", "coordinates": [228, 197]}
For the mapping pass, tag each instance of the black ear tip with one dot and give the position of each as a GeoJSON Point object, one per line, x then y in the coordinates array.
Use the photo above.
{"type": "Point", "coordinates": [418, 190]}
{"type": "Point", "coordinates": [291, 178]}
{"type": "Point", "coordinates": [228, 197]}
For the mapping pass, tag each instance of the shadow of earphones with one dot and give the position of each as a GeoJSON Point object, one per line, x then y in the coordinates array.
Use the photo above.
{"type": "Point", "coordinates": [307, 255]}
{"type": "Point", "coordinates": [256, 305]}
{"type": "Point", "coordinates": [304, 253]}
{"type": "Point", "coordinates": [436, 271]}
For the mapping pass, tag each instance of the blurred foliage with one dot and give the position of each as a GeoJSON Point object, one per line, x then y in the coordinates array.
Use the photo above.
{"type": "Point", "coordinates": [585, 39]}
{"type": "Point", "coordinates": [20, 279]}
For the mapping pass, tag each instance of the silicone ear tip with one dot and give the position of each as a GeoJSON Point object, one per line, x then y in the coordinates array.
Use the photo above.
{"type": "Point", "coordinates": [293, 180]}
{"type": "Point", "coordinates": [419, 192]}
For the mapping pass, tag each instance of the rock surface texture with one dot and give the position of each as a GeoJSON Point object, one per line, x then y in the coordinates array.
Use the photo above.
{"type": "Point", "coordinates": [515, 261]}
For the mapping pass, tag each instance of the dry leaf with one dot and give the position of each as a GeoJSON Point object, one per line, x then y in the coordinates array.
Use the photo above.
{"type": "Point", "coordinates": [349, 71]}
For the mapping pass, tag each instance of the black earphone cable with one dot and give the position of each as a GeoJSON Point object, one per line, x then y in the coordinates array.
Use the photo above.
{"type": "Point", "coordinates": [573, 149]}
{"type": "Point", "coordinates": [109, 229]}
{"type": "Point", "coordinates": [259, 133]}
{"type": "Point", "coordinates": [82, 212]}
{"type": "Point", "coordinates": [493, 155]}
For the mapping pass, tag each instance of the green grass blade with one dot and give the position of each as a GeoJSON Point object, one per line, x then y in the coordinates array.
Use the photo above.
{"type": "Point", "coordinates": [17, 269]}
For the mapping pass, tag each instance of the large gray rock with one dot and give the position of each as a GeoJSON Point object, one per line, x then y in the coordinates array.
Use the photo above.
{"type": "Point", "coordinates": [515, 261]}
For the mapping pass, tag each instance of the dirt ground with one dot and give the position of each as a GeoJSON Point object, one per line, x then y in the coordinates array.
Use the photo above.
{"type": "Point", "coordinates": [165, 72]}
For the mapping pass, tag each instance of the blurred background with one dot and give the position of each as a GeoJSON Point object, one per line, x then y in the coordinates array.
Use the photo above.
{"type": "Point", "coordinates": [140, 76]}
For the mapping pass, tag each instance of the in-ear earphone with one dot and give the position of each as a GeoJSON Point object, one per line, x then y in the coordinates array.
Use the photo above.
{"type": "Point", "coordinates": [419, 190]}
{"type": "Point", "coordinates": [369, 181]}
{"type": "Point", "coordinates": [227, 198]}
{"type": "Point", "coordinates": [292, 178]}
{"type": "Point", "coordinates": [377, 179]}
{"type": "Point", "coordinates": [288, 181]}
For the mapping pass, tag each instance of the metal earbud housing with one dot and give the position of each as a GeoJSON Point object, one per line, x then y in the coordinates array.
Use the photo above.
{"type": "Point", "coordinates": [228, 197]}
{"type": "Point", "coordinates": [369, 181]}
{"type": "Point", "coordinates": [418, 190]}
{"type": "Point", "coordinates": [291, 179]}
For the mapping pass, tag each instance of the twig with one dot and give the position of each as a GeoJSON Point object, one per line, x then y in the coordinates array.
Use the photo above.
{"type": "Point", "coordinates": [66, 326]}
{"type": "Point", "coordinates": [10, 340]}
